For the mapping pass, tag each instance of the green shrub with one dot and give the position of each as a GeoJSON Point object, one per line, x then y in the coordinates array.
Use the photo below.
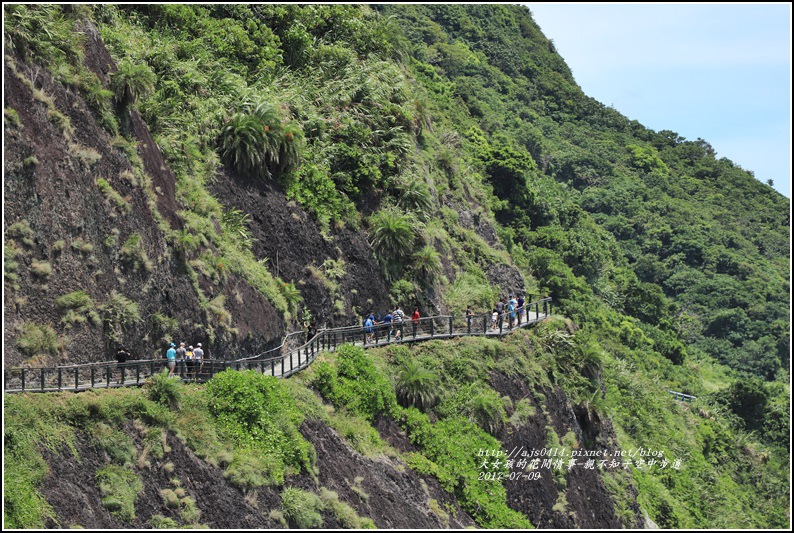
{"type": "Point", "coordinates": [300, 508]}
{"type": "Point", "coordinates": [450, 447]}
{"type": "Point", "coordinates": [355, 383]}
{"type": "Point", "coordinates": [258, 412]}
{"type": "Point", "coordinates": [164, 390]}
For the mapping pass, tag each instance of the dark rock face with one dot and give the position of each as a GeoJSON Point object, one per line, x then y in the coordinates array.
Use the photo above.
{"type": "Point", "coordinates": [589, 504]}
{"type": "Point", "coordinates": [396, 498]}
{"type": "Point", "coordinates": [291, 241]}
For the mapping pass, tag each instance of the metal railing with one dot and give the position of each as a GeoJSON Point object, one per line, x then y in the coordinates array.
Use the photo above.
{"type": "Point", "coordinates": [293, 354]}
{"type": "Point", "coordinates": [681, 397]}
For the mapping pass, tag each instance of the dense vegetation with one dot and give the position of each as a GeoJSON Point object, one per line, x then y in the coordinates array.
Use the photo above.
{"type": "Point", "coordinates": [407, 122]}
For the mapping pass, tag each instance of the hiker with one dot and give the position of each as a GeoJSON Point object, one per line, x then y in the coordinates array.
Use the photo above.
{"type": "Point", "coordinates": [190, 362]}
{"type": "Point", "coordinates": [171, 356]}
{"type": "Point", "coordinates": [121, 357]}
{"type": "Point", "coordinates": [180, 357]}
{"type": "Point", "coordinates": [469, 315]}
{"type": "Point", "coordinates": [398, 318]}
{"type": "Point", "coordinates": [415, 319]}
{"type": "Point", "coordinates": [369, 329]}
{"type": "Point", "coordinates": [387, 320]}
{"type": "Point", "coordinates": [511, 308]}
{"type": "Point", "coordinates": [198, 356]}
{"type": "Point", "coordinates": [520, 308]}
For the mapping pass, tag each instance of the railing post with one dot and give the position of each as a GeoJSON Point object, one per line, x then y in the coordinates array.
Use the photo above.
{"type": "Point", "coordinates": [23, 380]}
{"type": "Point", "coordinates": [76, 379]}
{"type": "Point", "coordinates": [485, 324]}
{"type": "Point", "coordinates": [123, 373]}
{"type": "Point", "coordinates": [137, 373]}
{"type": "Point", "coordinates": [93, 376]}
{"type": "Point", "coordinates": [42, 380]}
{"type": "Point", "coordinates": [501, 322]}
{"type": "Point", "coordinates": [432, 328]}
{"type": "Point", "coordinates": [450, 325]}
{"type": "Point", "coordinates": [282, 366]}
{"type": "Point", "coordinates": [107, 376]}
{"type": "Point", "coordinates": [299, 359]}
{"type": "Point", "coordinates": [60, 378]}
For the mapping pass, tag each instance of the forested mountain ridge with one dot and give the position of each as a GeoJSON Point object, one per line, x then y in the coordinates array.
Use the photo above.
{"type": "Point", "coordinates": [313, 163]}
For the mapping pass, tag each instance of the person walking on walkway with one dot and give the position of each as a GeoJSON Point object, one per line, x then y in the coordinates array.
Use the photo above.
{"type": "Point", "coordinates": [121, 357]}
{"type": "Point", "coordinates": [398, 318]}
{"type": "Point", "coordinates": [415, 319]}
{"type": "Point", "coordinates": [369, 328]}
{"type": "Point", "coordinates": [171, 356]}
{"type": "Point", "coordinates": [198, 356]}
{"type": "Point", "coordinates": [181, 352]}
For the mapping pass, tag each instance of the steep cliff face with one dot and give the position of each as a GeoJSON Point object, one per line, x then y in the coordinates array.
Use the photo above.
{"type": "Point", "coordinates": [83, 218]}
{"type": "Point", "coordinates": [98, 214]}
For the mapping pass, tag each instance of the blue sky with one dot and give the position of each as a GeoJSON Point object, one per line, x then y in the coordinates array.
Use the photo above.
{"type": "Point", "coordinates": [720, 72]}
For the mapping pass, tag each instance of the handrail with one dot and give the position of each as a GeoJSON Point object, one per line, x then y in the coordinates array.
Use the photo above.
{"type": "Point", "coordinates": [293, 354]}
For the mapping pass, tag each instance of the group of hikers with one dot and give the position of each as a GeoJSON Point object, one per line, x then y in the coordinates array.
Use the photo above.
{"type": "Point", "coordinates": [392, 322]}
{"type": "Point", "coordinates": [193, 359]}
{"type": "Point", "coordinates": [513, 308]}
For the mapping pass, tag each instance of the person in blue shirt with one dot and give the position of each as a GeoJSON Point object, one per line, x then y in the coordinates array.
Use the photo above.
{"type": "Point", "coordinates": [387, 324]}
{"type": "Point", "coordinates": [171, 356]}
{"type": "Point", "coordinates": [369, 328]}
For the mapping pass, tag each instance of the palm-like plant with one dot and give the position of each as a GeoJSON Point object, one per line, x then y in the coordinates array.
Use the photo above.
{"type": "Point", "coordinates": [392, 237]}
{"type": "Point", "coordinates": [241, 143]}
{"type": "Point", "coordinates": [131, 82]}
{"type": "Point", "coordinates": [416, 386]}
{"type": "Point", "coordinates": [414, 196]}
{"type": "Point", "coordinates": [427, 261]}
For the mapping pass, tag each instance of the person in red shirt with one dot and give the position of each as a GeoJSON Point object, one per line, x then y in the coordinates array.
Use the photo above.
{"type": "Point", "coordinates": [415, 319]}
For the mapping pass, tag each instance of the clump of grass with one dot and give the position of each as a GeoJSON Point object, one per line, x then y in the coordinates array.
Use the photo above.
{"type": "Point", "coordinates": [22, 232]}
{"type": "Point", "coordinates": [37, 339]}
{"type": "Point", "coordinates": [80, 246]}
{"type": "Point", "coordinates": [112, 195]}
{"type": "Point", "coordinates": [159, 521]}
{"type": "Point", "coordinates": [300, 508]}
{"type": "Point", "coordinates": [12, 117]}
{"type": "Point", "coordinates": [345, 514]}
{"type": "Point", "coordinates": [85, 154]}
{"type": "Point", "coordinates": [79, 308]}
{"type": "Point", "coordinates": [41, 270]}
{"type": "Point", "coordinates": [118, 445]}
{"type": "Point", "coordinates": [119, 487]}
{"type": "Point", "coordinates": [132, 252]}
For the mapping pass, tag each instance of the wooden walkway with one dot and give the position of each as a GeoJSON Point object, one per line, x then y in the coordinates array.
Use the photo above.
{"type": "Point", "coordinates": [293, 355]}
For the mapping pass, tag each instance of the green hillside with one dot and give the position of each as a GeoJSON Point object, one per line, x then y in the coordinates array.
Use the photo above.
{"type": "Point", "coordinates": [244, 169]}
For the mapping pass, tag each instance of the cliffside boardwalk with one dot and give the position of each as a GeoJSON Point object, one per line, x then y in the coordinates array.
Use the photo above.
{"type": "Point", "coordinates": [294, 354]}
